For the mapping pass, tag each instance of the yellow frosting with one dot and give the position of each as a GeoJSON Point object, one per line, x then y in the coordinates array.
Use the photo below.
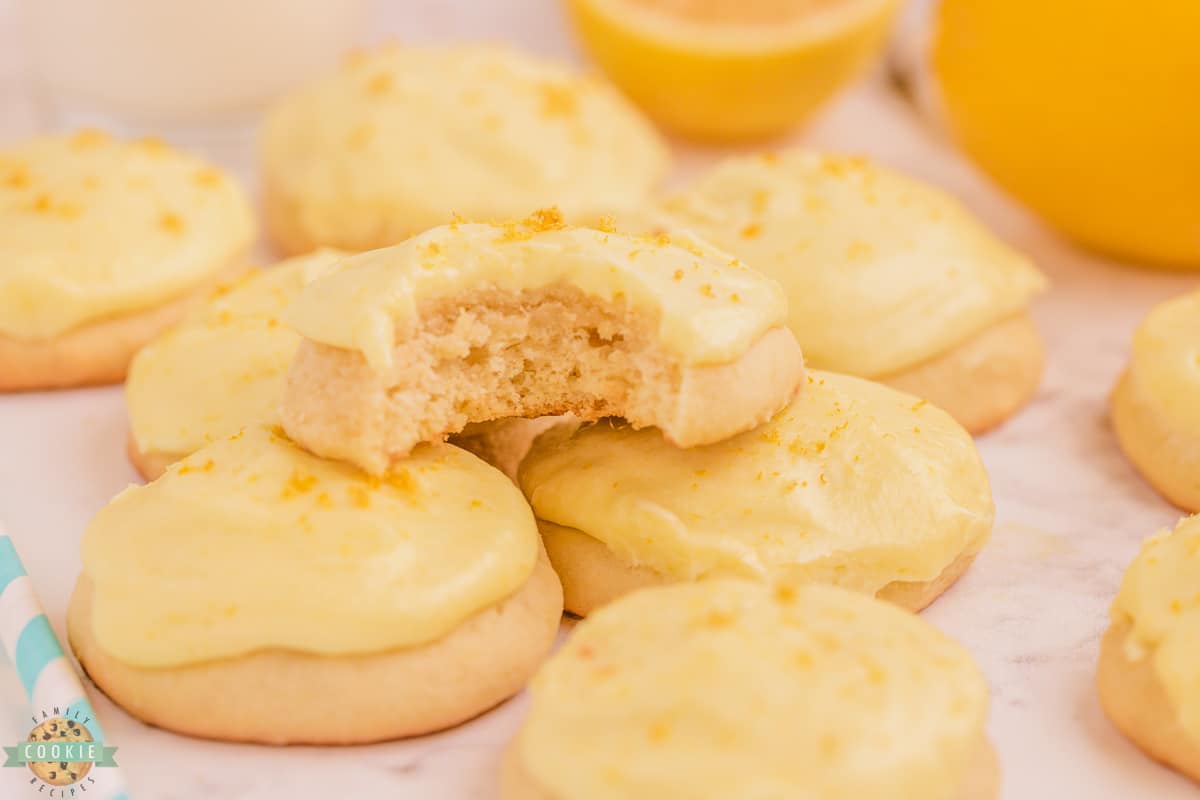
{"type": "Point", "coordinates": [881, 272]}
{"type": "Point", "coordinates": [224, 367]}
{"type": "Point", "coordinates": [399, 139]}
{"type": "Point", "coordinates": [1165, 367]}
{"type": "Point", "coordinates": [854, 484]}
{"type": "Point", "coordinates": [710, 307]}
{"type": "Point", "coordinates": [253, 544]}
{"type": "Point", "coordinates": [729, 689]}
{"type": "Point", "coordinates": [92, 227]}
{"type": "Point", "coordinates": [1160, 600]}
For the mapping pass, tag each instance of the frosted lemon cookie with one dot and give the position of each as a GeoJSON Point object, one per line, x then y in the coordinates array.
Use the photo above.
{"type": "Point", "coordinates": [1156, 404]}
{"type": "Point", "coordinates": [854, 483]}
{"type": "Point", "coordinates": [258, 593]}
{"type": "Point", "coordinates": [470, 323]}
{"type": "Point", "coordinates": [1149, 675]}
{"type": "Point", "coordinates": [402, 139]}
{"type": "Point", "coordinates": [886, 278]}
{"type": "Point", "coordinates": [731, 689]}
{"type": "Point", "coordinates": [221, 369]}
{"type": "Point", "coordinates": [103, 243]}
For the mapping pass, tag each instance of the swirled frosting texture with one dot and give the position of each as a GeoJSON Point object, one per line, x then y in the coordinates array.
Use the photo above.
{"type": "Point", "coordinates": [731, 689]}
{"type": "Point", "coordinates": [710, 307]}
{"type": "Point", "coordinates": [881, 272]}
{"type": "Point", "coordinates": [400, 139]}
{"type": "Point", "coordinates": [253, 544]}
{"type": "Point", "coordinates": [92, 227]}
{"type": "Point", "coordinates": [854, 483]}
{"type": "Point", "coordinates": [223, 367]}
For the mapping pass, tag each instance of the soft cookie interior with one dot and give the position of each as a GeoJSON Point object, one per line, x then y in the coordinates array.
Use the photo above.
{"type": "Point", "coordinates": [491, 354]}
{"type": "Point", "coordinates": [468, 323]}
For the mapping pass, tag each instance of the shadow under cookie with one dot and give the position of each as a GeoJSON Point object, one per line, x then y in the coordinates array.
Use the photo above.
{"type": "Point", "coordinates": [593, 576]}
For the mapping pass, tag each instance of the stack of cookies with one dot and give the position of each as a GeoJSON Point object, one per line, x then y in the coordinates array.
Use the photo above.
{"type": "Point", "coordinates": [341, 542]}
{"type": "Point", "coordinates": [314, 563]}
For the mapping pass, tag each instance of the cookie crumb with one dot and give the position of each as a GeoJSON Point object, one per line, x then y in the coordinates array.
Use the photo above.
{"type": "Point", "coordinates": [207, 177]}
{"type": "Point", "coordinates": [557, 101]}
{"type": "Point", "coordinates": [719, 619]}
{"type": "Point", "coordinates": [359, 496]}
{"type": "Point", "coordinates": [360, 136]}
{"type": "Point", "coordinates": [540, 221]}
{"type": "Point", "coordinates": [299, 482]}
{"type": "Point", "coordinates": [88, 138]}
{"type": "Point", "coordinates": [379, 84]}
{"type": "Point", "coordinates": [858, 250]}
{"type": "Point", "coordinates": [152, 144]}
{"type": "Point", "coordinates": [401, 480]}
{"type": "Point", "coordinates": [207, 466]}
{"type": "Point", "coordinates": [68, 210]}
{"type": "Point", "coordinates": [17, 178]}
{"type": "Point", "coordinates": [171, 222]}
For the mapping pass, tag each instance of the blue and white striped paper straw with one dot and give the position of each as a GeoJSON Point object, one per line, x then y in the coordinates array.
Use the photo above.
{"type": "Point", "coordinates": [45, 671]}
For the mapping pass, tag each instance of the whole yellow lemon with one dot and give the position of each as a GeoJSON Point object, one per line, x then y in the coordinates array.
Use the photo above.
{"type": "Point", "coordinates": [1088, 111]}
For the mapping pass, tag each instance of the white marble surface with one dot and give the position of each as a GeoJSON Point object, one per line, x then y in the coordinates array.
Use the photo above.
{"type": "Point", "coordinates": [1071, 512]}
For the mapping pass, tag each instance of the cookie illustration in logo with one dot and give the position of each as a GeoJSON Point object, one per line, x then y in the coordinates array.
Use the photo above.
{"type": "Point", "coordinates": [60, 773]}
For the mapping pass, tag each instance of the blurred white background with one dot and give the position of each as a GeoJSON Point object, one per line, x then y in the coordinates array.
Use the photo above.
{"type": "Point", "coordinates": [538, 25]}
